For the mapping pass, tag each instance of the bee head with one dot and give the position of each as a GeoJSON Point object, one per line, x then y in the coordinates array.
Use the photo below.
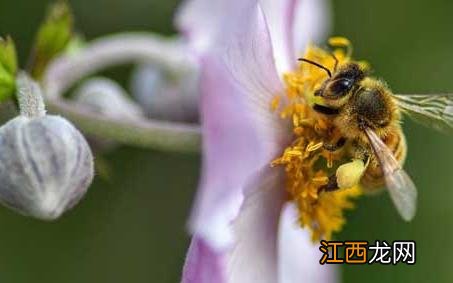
{"type": "Point", "coordinates": [340, 85]}
{"type": "Point", "coordinates": [335, 90]}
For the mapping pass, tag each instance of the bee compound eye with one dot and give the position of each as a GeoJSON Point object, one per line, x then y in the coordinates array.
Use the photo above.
{"type": "Point", "coordinates": [340, 87]}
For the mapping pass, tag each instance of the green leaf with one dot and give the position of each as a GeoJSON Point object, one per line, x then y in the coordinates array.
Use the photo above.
{"type": "Point", "coordinates": [8, 56]}
{"type": "Point", "coordinates": [8, 68]}
{"type": "Point", "coordinates": [52, 38]}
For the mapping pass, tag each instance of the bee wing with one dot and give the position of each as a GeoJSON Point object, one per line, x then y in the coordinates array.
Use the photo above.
{"type": "Point", "coordinates": [400, 186]}
{"type": "Point", "coordinates": [432, 110]}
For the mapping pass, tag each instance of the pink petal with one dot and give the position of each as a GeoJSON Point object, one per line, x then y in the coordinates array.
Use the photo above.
{"type": "Point", "coordinates": [280, 18]}
{"type": "Point", "coordinates": [203, 264]}
{"type": "Point", "coordinates": [211, 23]}
{"type": "Point", "coordinates": [241, 134]}
{"type": "Point", "coordinates": [298, 256]}
{"type": "Point", "coordinates": [253, 258]}
{"type": "Point", "coordinates": [312, 24]}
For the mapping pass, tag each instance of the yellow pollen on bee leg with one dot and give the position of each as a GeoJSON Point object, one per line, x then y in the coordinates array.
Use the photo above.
{"type": "Point", "coordinates": [319, 211]}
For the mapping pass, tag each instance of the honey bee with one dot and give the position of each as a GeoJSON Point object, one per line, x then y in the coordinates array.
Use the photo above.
{"type": "Point", "coordinates": [366, 116]}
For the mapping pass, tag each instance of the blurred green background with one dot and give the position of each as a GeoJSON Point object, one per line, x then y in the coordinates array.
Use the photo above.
{"type": "Point", "coordinates": [131, 228]}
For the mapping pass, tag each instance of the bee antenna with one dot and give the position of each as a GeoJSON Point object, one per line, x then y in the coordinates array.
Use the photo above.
{"type": "Point", "coordinates": [317, 65]}
{"type": "Point", "coordinates": [336, 61]}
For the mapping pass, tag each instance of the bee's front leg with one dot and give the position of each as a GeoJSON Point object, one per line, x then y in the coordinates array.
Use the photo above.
{"type": "Point", "coordinates": [338, 144]}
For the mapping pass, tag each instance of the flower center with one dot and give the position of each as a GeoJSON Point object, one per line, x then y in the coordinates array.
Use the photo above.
{"type": "Point", "coordinates": [312, 156]}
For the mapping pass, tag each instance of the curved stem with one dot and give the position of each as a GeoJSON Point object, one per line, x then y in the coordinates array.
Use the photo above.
{"type": "Point", "coordinates": [118, 49]}
{"type": "Point", "coordinates": [113, 50]}
{"type": "Point", "coordinates": [145, 133]}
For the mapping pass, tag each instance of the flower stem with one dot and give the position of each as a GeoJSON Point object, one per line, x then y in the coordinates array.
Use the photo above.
{"type": "Point", "coordinates": [143, 48]}
{"type": "Point", "coordinates": [146, 133]}
{"type": "Point", "coordinates": [29, 96]}
{"type": "Point", "coordinates": [118, 49]}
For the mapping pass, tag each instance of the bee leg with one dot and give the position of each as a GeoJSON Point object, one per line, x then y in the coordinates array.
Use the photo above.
{"type": "Point", "coordinates": [331, 186]}
{"type": "Point", "coordinates": [334, 147]}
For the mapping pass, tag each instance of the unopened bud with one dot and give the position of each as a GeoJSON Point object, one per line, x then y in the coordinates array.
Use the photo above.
{"type": "Point", "coordinates": [46, 164]}
{"type": "Point", "coordinates": [108, 98]}
{"type": "Point", "coordinates": [165, 95]}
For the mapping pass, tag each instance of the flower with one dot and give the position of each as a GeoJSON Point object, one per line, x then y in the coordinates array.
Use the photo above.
{"type": "Point", "coordinates": [248, 214]}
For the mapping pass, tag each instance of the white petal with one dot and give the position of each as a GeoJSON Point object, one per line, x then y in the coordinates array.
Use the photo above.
{"type": "Point", "coordinates": [298, 256]}
{"type": "Point", "coordinates": [208, 23]}
{"type": "Point", "coordinates": [312, 23]}
{"type": "Point", "coordinates": [253, 257]}
{"type": "Point", "coordinates": [280, 19]}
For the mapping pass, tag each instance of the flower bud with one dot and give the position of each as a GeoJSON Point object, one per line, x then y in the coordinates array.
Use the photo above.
{"type": "Point", "coordinates": [165, 95]}
{"type": "Point", "coordinates": [107, 97]}
{"type": "Point", "coordinates": [46, 165]}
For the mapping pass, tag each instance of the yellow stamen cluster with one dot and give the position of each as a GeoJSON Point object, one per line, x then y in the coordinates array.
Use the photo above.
{"type": "Point", "coordinates": [307, 163]}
